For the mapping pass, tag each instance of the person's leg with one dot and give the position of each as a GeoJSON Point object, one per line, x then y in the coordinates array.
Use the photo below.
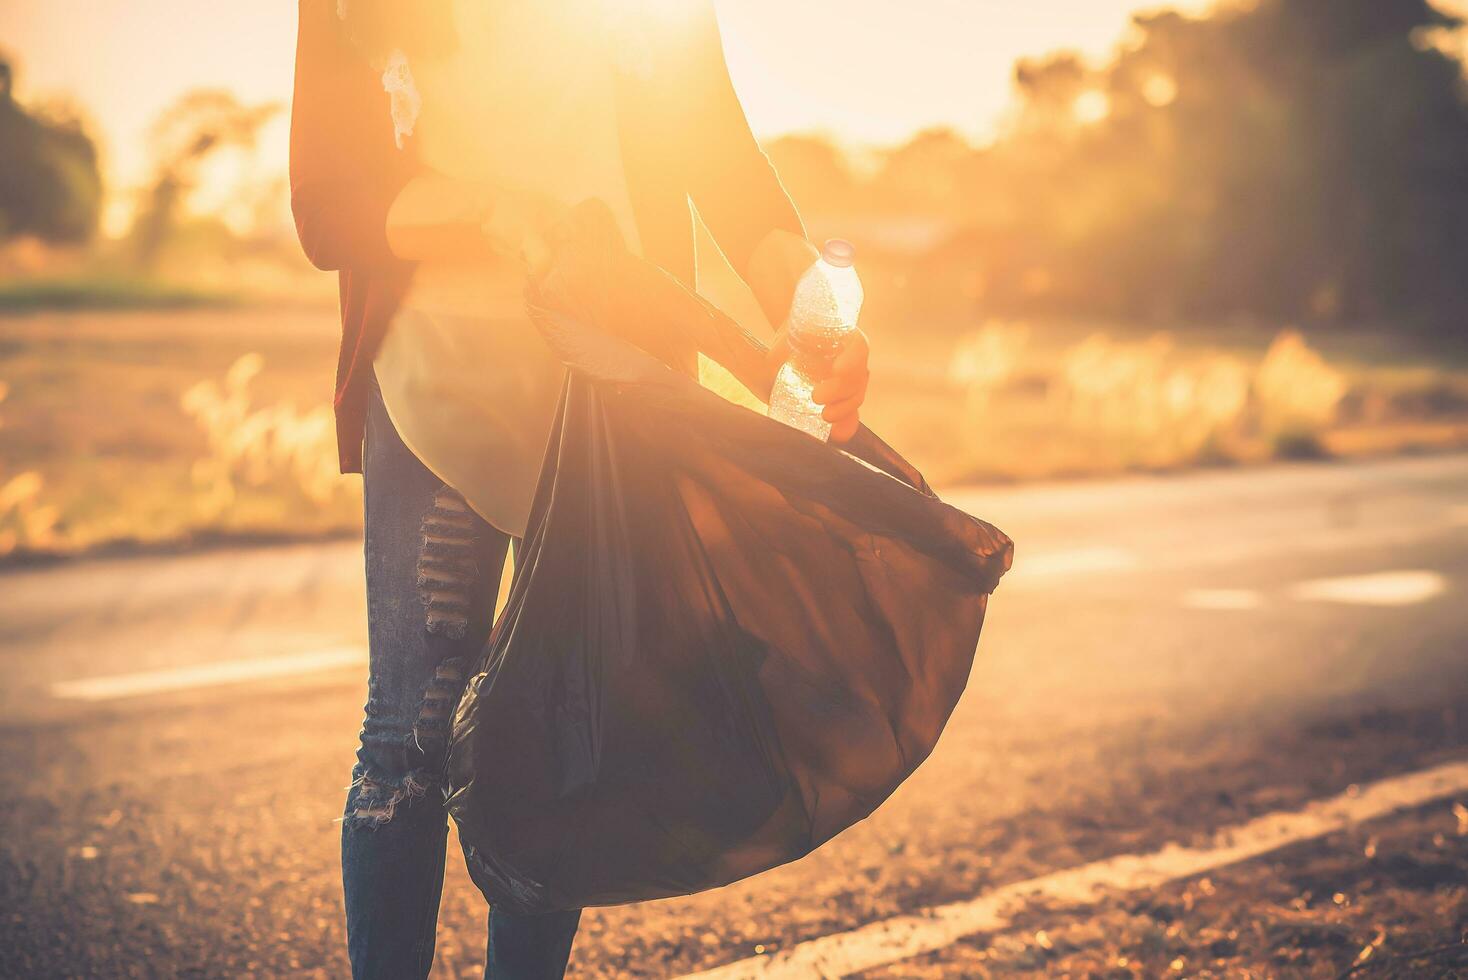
{"type": "Point", "coordinates": [433, 571]}
{"type": "Point", "coordinates": [529, 947]}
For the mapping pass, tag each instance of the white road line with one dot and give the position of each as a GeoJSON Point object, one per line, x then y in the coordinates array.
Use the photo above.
{"type": "Point", "coordinates": [1227, 599]}
{"type": "Point", "coordinates": [1076, 561]}
{"type": "Point", "coordinates": [1400, 588]}
{"type": "Point", "coordinates": [899, 938]}
{"type": "Point", "coordinates": [207, 675]}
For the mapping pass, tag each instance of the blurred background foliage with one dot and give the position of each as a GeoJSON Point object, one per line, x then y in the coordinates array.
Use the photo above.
{"type": "Point", "coordinates": [50, 185]}
{"type": "Point", "coordinates": [190, 238]}
{"type": "Point", "coordinates": [201, 124]}
{"type": "Point", "coordinates": [1287, 158]}
{"type": "Point", "coordinates": [1296, 158]}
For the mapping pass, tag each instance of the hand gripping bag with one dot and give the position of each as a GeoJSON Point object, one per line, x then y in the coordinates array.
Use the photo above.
{"type": "Point", "coordinates": [725, 641]}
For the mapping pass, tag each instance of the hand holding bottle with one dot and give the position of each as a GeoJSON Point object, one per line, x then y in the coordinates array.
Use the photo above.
{"type": "Point", "coordinates": [820, 355]}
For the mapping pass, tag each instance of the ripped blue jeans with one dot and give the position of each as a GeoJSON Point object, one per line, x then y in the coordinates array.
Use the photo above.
{"type": "Point", "coordinates": [433, 571]}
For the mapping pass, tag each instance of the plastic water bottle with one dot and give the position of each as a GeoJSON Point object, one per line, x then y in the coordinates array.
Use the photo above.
{"type": "Point", "coordinates": [823, 314]}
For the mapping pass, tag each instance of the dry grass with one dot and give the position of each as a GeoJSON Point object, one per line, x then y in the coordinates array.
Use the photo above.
{"type": "Point", "coordinates": [169, 426]}
{"type": "Point", "coordinates": [275, 449]}
{"type": "Point", "coordinates": [1060, 400]}
{"type": "Point", "coordinates": [148, 427]}
{"type": "Point", "coordinates": [25, 522]}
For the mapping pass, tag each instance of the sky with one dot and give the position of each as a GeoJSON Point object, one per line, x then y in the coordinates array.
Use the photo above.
{"type": "Point", "coordinates": [864, 71]}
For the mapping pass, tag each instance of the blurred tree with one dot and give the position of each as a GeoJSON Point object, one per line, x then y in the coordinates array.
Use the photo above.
{"type": "Point", "coordinates": [198, 125]}
{"type": "Point", "coordinates": [923, 175]}
{"type": "Point", "coordinates": [1290, 157]}
{"type": "Point", "coordinates": [50, 185]}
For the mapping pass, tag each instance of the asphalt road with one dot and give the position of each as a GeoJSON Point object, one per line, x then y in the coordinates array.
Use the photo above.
{"type": "Point", "coordinates": [1170, 655]}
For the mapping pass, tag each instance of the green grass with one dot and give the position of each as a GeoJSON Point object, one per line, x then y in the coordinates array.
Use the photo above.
{"type": "Point", "coordinates": [108, 293]}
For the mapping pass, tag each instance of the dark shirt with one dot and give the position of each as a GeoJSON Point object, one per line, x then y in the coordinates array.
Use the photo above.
{"type": "Point", "coordinates": [346, 169]}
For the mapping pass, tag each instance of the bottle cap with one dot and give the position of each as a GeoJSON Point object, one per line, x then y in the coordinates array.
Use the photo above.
{"type": "Point", "coordinates": [839, 252]}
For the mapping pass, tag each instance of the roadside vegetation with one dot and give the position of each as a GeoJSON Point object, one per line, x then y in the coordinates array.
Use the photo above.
{"type": "Point", "coordinates": [160, 428]}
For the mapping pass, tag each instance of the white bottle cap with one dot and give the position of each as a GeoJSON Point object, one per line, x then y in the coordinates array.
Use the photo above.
{"type": "Point", "coordinates": [839, 252]}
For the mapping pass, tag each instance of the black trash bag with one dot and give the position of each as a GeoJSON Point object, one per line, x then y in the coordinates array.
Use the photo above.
{"type": "Point", "coordinates": [725, 641]}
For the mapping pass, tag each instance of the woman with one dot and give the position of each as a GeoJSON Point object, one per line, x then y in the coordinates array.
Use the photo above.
{"type": "Point", "coordinates": [434, 149]}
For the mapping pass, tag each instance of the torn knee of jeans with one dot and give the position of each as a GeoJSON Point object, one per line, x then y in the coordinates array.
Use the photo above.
{"type": "Point", "coordinates": [447, 570]}
{"type": "Point", "coordinates": [376, 801]}
{"type": "Point", "coordinates": [431, 730]}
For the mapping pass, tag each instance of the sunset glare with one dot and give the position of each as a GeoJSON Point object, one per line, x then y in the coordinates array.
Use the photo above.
{"type": "Point", "coordinates": [727, 488]}
{"type": "Point", "coordinates": [870, 73]}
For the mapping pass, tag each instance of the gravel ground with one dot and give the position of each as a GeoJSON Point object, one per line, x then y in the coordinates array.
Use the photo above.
{"type": "Point", "coordinates": [1385, 899]}
{"type": "Point", "coordinates": [210, 870]}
